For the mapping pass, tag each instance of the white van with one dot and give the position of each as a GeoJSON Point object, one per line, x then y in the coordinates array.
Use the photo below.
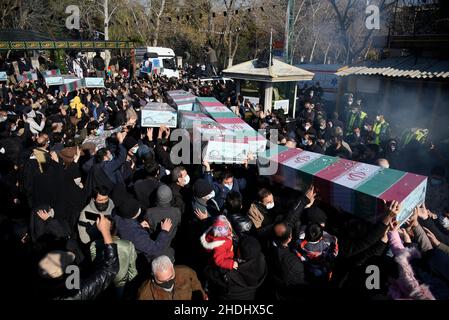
{"type": "Point", "coordinates": [163, 59]}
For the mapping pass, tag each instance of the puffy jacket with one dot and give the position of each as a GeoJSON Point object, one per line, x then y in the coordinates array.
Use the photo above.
{"type": "Point", "coordinates": [87, 229]}
{"type": "Point", "coordinates": [127, 258]}
{"type": "Point", "coordinates": [105, 273]}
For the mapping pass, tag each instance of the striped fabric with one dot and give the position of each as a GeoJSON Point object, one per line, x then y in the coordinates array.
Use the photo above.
{"type": "Point", "coordinates": [357, 188]}
{"type": "Point", "coordinates": [243, 132]}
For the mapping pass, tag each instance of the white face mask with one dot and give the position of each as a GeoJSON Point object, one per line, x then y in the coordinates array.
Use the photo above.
{"type": "Point", "coordinates": [186, 180]}
{"type": "Point", "coordinates": [270, 205]}
{"type": "Point", "coordinates": [210, 195]}
{"type": "Point", "coordinates": [377, 119]}
{"type": "Point", "coordinates": [134, 150]}
{"type": "Point", "coordinates": [229, 186]}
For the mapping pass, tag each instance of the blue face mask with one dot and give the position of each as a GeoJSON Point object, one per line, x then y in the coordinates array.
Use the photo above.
{"type": "Point", "coordinates": [305, 142]}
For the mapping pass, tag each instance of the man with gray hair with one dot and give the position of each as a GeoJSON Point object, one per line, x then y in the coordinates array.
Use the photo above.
{"type": "Point", "coordinates": [170, 282]}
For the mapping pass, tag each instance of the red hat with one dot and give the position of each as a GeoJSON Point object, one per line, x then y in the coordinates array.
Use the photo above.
{"type": "Point", "coordinates": [221, 227]}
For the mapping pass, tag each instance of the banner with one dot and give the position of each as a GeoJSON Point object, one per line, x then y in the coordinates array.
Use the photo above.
{"type": "Point", "coordinates": [54, 80]}
{"type": "Point", "coordinates": [253, 100]}
{"type": "Point", "coordinates": [3, 76]}
{"type": "Point", "coordinates": [282, 104]}
{"type": "Point", "coordinates": [226, 152]}
{"type": "Point", "coordinates": [91, 82]}
{"type": "Point", "coordinates": [156, 114]}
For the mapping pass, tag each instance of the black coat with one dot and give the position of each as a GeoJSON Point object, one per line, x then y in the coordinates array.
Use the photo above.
{"type": "Point", "coordinates": [106, 270]}
{"type": "Point", "coordinates": [288, 270]}
{"type": "Point", "coordinates": [241, 283]}
{"type": "Point", "coordinates": [145, 190]}
{"type": "Point", "coordinates": [155, 215]}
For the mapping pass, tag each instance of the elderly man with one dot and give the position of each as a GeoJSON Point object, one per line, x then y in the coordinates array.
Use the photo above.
{"type": "Point", "coordinates": [170, 282]}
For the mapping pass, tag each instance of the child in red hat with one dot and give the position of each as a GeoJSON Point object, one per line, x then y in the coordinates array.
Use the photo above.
{"type": "Point", "coordinates": [218, 240]}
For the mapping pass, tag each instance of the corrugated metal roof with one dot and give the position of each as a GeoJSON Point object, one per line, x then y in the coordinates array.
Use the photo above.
{"type": "Point", "coordinates": [405, 67]}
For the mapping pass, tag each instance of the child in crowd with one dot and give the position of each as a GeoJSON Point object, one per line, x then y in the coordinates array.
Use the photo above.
{"type": "Point", "coordinates": [218, 240]}
{"type": "Point", "coordinates": [317, 250]}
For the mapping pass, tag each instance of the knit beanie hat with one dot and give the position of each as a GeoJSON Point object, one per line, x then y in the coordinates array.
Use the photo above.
{"type": "Point", "coordinates": [164, 195]}
{"type": "Point", "coordinates": [53, 265]}
{"type": "Point", "coordinates": [202, 188]}
{"type": "Point", "coordinates": [129, 142]}
{"type": "Point", "coordinates": [221, 227]}
{"type": "Point", "coordinates": [129, 208]}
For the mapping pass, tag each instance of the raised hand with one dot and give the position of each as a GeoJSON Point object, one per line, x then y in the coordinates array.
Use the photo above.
{"type": "Point", "coordinates": [311, 195]}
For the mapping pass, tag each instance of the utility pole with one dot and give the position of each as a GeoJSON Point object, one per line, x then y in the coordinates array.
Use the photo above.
{"type": "Point", "coordinates": [271, 48]}
{"type": "Point", "coordinates": [107, 53]}
{"type": "Point", "coordinates": [288, 30]}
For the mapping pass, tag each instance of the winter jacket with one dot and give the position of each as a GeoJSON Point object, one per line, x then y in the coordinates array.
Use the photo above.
{"type": "Point", "coordinates": [186, 287]}
{"type": "Point", "coordinates": [221, 192]}
{"type": "Point", "coordinates": [288, 269]}
{"type": "Point", "coordinates": [244, 281]}
{"type": "Point", "coordinates": [406, 286]}
{"type": "Point", "coordinates": [240, 223]}
{"type": "Point", "coordinates": [178, 199]}
{"type": "Point", "coordinates": [222, 249]}
{"type": "Point", "coordinates": [145, 190]}
{"type": "Point", "coordinates": [211, 206]}
{"type": "Point", "coordinates": [87, 229]}
{"type": "Point", "coordinates": [105, 272]}
{"type": "Point", "coordinates": [127, 259]}
{"type": "Point", "coordinates": [130, 229]}
{"type": "Point", "coordinates": [113, 168]}
{"type": "Point", "coordinates": [155, 215]}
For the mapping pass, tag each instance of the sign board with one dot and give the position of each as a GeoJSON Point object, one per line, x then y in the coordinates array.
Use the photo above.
{"type": "Point", "coordinates": [54, 80]}
{"type": "Point", "coordinates": [253, 100]}
{"type": "Point", "coordinates": [282, 104]}
{"type": "Point", "coordinates": [3, 76]}
{"type": "Point", "coordinates": [94, 82]}
{"type": "Point", "coordinates": [222, 151]}
{"type": "Point", "coordinates": [156, 114]}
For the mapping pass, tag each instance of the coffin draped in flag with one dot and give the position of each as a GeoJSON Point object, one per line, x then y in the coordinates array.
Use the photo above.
{"type": "Point", "coordinates": [181, 100]}
{"type": "Point", "coordinates": [357, 188]}
{"type": "Point", "coordinates": [242, 132]}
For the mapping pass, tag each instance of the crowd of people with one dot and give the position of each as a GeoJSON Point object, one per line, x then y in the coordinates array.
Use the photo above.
{"type": "Point", "coordinates": [85, 190]}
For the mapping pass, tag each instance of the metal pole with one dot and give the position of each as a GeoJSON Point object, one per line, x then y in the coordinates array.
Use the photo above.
{"type": "Point", "coordinates": [287, 31]}
{"type": "Point", "coordinates": [107, 53]}
{"type": "Point", "coordinates": [271, 47]}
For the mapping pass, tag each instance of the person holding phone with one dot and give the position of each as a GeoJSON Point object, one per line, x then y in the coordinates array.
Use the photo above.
{"type": "Point", "coordinates": [99, 205]}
